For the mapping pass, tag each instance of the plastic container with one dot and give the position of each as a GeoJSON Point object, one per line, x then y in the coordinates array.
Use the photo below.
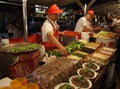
{"type": "Point", "coordinates": [4, 41]}
{"type": "Point", "coordinates": [85, 36]}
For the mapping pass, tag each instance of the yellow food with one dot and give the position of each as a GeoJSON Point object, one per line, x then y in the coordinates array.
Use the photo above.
{"type": "Point", "coordinates": [24, 87]}
{"type": "Point", "coordinates": [74, 57]}
{"type": "Point", "coordinates": [21, 83]}
{"type": "Point", "coordinates": [17, 83]}
{"type": "Point", "coordinates": [5, 88]}
{"type": "Point", "coordinates": [32, 86]}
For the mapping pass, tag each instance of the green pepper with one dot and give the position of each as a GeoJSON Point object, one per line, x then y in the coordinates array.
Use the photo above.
{"type": "Point", "coordinates": [66, 86]}
{"type": "Point", "coordinates": [79, 55]}
{"type": "Point", "coordinates": [86, 70]}
{"type": "Point", "coordinates": [56, 53]}
{"type": "Point", "coordinates": [91, 64]}
{"type": "Point", "coordinates": [80, 78]}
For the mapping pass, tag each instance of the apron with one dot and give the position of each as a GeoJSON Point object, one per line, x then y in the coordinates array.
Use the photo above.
{"type": "Point", "coordinates": [88, 34]}
{"type": "Point", "coordinates": [49, 45]}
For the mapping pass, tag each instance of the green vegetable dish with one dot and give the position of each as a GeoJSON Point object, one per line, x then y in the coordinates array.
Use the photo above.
{"type": "Point", "coordinates": [79, 55]}
{"type": "Point", "coordinates": [23, 48]}
{"type": "Point", "coordinates": [66, 86]}
{"type": "Point", "coordinates": [55, 53]}
{"type": "Point", "coordinates": [80, 82]}
{"type": "Point", "coordinates": [74, 46]}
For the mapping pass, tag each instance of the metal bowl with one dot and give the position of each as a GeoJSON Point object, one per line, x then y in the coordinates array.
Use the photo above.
{"type": "Point", "coordinates": [5, 48]}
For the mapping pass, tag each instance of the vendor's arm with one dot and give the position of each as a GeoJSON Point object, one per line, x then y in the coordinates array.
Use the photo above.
{"type": "Point", "coordinates": [52, 38]}
{"type": "Point", "coordinates": [62, 33]}
{"type": "Point", "coordinates": [88, 28]}
{"type": "Point", "coordinates": [85, 24]}
{"type": "Point", "coordinates": [96, 28]}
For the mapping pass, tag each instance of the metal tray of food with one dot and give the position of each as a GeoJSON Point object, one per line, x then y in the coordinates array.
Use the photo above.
{"type": "Point", "coordinates": [19, 48]}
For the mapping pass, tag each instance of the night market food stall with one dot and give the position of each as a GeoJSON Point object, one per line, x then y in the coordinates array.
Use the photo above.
{"type": "Point", "coordinates": [84, 64]}
{"type": "Point", "coordinates": [84, 67]}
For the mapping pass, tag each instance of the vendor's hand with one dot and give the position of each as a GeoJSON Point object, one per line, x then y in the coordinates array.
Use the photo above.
{"type": "Point", "coordinates": [117, 35]}
{"type": "Point", "coordinates": [92, 31]}
{"type": "Point", "coordinates": [63, 51]}
{"type": "Point", "coordinates": [61, 33]}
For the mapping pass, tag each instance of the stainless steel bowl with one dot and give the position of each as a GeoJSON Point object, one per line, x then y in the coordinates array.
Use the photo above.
{"type": "Point", "coordinates": [5, 48]}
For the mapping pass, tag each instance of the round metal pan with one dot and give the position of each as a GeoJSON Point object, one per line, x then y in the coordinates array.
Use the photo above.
{"type": "Point", "coordinates": [5, 48]}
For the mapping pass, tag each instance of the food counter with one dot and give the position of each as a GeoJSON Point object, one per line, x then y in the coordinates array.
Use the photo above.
{"type": "Point", "coordinates": [59, 71]}
{"type": "Point", "coordinates": [100, 78]}
{"type": "Point", "coordinates": [63, 70]}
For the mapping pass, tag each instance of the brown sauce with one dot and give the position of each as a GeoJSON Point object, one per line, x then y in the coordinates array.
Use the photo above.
{"type": "Point", "coordinates": [82, 84]}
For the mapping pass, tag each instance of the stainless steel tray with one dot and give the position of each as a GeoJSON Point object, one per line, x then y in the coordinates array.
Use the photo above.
{"type": "Point", "coordinates": [6, 48]}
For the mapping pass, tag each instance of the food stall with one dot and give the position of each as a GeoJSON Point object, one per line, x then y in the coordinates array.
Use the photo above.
{"type": "Point", "coordinates": [83, 58]}
{"type": "Point", "coordinates": [58, 71]}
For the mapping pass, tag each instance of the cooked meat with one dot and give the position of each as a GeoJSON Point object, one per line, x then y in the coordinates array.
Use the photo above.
{"type": "Point", "coordinates": [86, 72]}
{"type": "Point", "coordinates": [55, 72]}
{"type": "Point", "coordinates": [91, 66]}
{"type": "Point", "coordinates": [80, 82]}
{"type": "Point", "coordinates": [87, 50]}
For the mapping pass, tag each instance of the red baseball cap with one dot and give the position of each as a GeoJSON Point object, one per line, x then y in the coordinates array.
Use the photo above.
{"type": "Point", "coordinates": [91, 12]}
{"type": "Point", "coordinates": [54, 9]}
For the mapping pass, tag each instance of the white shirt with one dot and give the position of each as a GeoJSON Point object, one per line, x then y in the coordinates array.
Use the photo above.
{"type": "Point", "coordinates": [80, 24]}
{"type": "Point", "coordinates": [115, 21]}
{"type": "Point", "coordinates": [47, 27]}
{"type": "Point", "coordinates": [11, 28]}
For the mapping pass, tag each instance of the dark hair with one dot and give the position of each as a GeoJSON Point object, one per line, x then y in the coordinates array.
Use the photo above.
{"type": "Point", "coordinates": [101, 19]}
{"type": "Point", "coordinates": [13, 22]}
{"type": "Point", "coordinates": [109, 21]}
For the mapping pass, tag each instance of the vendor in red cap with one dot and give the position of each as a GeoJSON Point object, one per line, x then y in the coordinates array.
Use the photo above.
{"type": "Point", "coordinates": [50, 32]}
{"type": "Point", "coordinates": [83, 23]}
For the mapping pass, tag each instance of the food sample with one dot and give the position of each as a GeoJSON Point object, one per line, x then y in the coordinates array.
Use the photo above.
{"type": "Point", "coordinates": [74, 57]}
{"type": "Point", "coordinates": [75, 45]}
{"type": "Point", "coordinates": [80, 82]}
{"type": "Point", "coordinates": [55, 72]}
{"type": "Point", "coordinates": [21, 83]}
{"type": "Point", "coordinates": [107, 51]}
{"type": "Point", "coordinates": [86, 72]}
{"type": "Point", "coordinates": [87, 50]}
{"type": "Point", "coordinates": [91, 65]}
{"type": "Point", "coordinates": [5, 88]}
{"type": "Point", "coordinates": [32, 86]}
{"type": "Point", "coordinates": [105, 35]}
{"type": "Point", "coordinates": [55, 53]}
{"type": "Point", "coordinates": [18, 82]}
{"type": "Point", "coordinates": [97, 60]}
{"type": "Point", "coordinates": [77, 55]}
{"type": "Point", "coordinates": [80, 53]}
{"type": "Point", "coordinates": [65, 86]}
{"type": "Point", "coordinates": [101, 56]}
{"type": "Point", "coordinates": [92, 45]}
